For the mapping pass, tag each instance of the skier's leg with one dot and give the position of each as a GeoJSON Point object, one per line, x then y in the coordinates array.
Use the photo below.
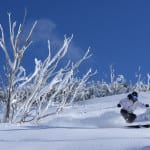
{"type": "Point", "coordinates": [124, 114]}
{"type": "Point", "coordinates": [131, 118]}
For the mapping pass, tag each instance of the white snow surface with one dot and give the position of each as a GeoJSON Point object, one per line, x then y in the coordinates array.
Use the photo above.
{"type": "Point", "coordinates": [89, 125]}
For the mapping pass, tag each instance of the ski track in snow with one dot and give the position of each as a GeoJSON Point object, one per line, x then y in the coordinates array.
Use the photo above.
{"type": "Point", "coordinates": [32, 137]}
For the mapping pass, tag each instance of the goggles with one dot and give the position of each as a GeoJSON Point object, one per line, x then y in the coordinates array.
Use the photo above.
{"type": "Point", "coordinates": [134, 97]}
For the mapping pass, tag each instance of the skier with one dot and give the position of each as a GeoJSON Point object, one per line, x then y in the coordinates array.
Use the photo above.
{"type": "Point", "coordinates": [129, 105]}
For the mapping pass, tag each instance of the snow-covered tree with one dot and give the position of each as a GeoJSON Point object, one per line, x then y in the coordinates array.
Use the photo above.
{"type": "Point", "coordinates": [29, 97]}
{"type": "Point", "coordinates": [14, 59]}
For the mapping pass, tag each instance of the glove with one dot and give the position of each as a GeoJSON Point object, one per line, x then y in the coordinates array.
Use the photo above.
{"type": "Point", "coordinates": [146, 105]}
{"type": "Point", "coordinates": [118, 105]}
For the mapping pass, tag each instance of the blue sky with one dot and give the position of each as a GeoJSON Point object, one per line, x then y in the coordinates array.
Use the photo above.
{"type": "Point", "coordinates": [117, 31]}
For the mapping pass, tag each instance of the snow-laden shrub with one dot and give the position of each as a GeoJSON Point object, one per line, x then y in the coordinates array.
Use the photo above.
{"type": "Point", "coordinates": [117, 85]}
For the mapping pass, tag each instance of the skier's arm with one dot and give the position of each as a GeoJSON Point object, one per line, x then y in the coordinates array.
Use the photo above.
{"type": "Point", "coordinates": [121, 103]}
{"type": "Point", "coordinates": [142, 105]}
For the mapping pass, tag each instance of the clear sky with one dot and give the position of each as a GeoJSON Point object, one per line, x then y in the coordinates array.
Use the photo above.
{"type": "Point", "coordinates": [118, 31]}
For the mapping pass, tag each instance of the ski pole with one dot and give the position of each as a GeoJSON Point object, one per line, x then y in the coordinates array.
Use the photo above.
{"type": "Point", "coordinates": [109, 107]}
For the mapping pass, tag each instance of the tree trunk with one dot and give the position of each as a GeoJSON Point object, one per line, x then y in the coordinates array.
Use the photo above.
{"type": "Point", "coordinates": [7, 114]}
{"type": "Point", "coordinates": [7, 111]}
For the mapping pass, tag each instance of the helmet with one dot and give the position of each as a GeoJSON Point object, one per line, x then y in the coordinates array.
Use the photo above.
{"type": "Point", "coordinates": [134, 95]}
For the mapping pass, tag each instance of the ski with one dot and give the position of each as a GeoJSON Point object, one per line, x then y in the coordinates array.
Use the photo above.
{"type": "Point", "coordinates": [142, 124]}
{"type": "Point", "coordinates": [139, 126]}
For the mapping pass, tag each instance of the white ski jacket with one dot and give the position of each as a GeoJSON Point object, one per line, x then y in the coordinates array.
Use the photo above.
{"type": "Point", "coordinates": [130, 106]}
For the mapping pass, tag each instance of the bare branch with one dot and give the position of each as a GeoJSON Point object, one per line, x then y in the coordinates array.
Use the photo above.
{"type": "Point", "coordinates": [3, 46]}
{"type": "Point", "coordinates": [27, 41]}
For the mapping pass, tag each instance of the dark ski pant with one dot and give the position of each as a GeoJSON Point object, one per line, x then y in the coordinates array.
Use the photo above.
{"type": "Point", "coordinates": [129, 117]}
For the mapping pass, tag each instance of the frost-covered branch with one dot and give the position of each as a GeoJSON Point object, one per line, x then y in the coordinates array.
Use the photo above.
{"type": "Point", "coordinates": [14, 57]}
{"type": "Point", "coordinates": [38, 81]}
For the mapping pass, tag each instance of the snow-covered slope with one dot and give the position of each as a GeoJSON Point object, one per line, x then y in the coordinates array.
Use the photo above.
{"type": "Point", "coordinates": [90, 125]}
{"type": "Point", "coordinates": [98, 113]}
